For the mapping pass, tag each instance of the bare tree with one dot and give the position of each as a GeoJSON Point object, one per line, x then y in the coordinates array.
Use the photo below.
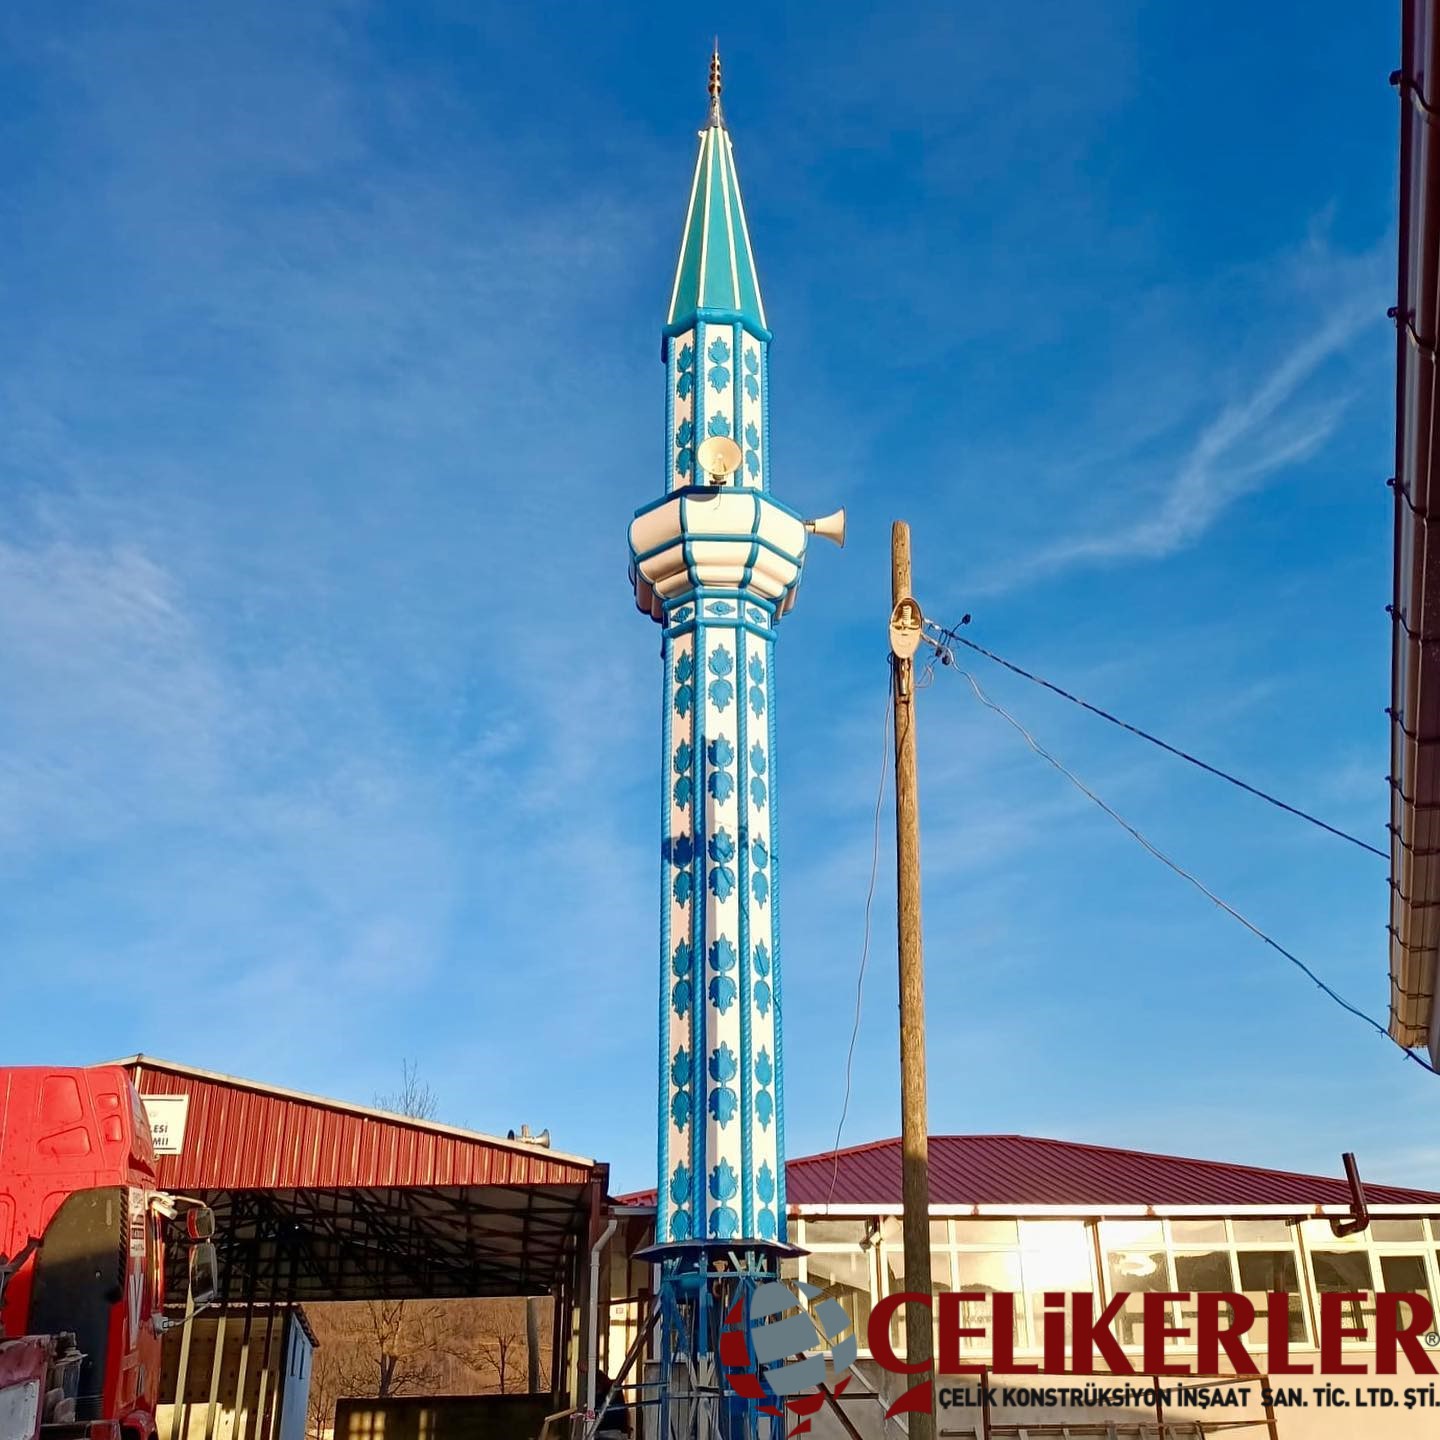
{"type": "Point", "coordinates": [413, 1097]}
{"type": "Point", "coordinates": [489, 1338]}
{"type": "Point", "coordinates": [379, 1348]}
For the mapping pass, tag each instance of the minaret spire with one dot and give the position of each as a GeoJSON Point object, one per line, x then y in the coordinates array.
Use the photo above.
{"type": "Point", "coordinates": [717, 116]}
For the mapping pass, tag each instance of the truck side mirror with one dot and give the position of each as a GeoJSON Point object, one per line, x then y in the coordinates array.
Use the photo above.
{"type": "Point", "coordinates": [204, 1273]}
{"type": "Point", "coordinates": [200, 1223]}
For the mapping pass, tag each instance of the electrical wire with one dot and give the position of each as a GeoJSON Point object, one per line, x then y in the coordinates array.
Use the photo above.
{"type": "Point", "coordinates": [865, 944]}
{"type": "Point", "coordinates": [1184, 874]}
{"type": "Point", "coordinates": [951, 636]}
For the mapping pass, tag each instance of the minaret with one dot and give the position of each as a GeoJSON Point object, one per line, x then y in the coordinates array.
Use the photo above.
{"type": "Point", "coordinates": [716, 561]}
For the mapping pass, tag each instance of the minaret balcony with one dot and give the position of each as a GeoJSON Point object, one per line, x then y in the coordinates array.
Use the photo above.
{"type": "Point", "coordinates": [716, 538]}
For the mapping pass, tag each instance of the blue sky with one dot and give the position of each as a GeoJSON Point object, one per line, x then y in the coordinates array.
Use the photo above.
{"type": "Point", "coordinates": [328, 384]}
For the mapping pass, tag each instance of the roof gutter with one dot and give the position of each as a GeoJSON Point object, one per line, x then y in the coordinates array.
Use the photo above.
{"type": "Point", "coordinates": [1414, 926]}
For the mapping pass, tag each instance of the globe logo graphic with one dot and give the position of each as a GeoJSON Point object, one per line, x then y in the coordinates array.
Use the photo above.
{"type": "Point", "coordinates": [776, 1353]}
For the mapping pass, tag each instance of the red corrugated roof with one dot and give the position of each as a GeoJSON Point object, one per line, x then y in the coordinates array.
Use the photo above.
{"type": "Point", "coordinates": [1024, 1170]}
{"type": "Point", "coordinates": [242, 1135]}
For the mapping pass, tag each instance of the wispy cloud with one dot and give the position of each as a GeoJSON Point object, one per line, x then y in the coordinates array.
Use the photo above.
{"type": "Point", "coordinates": [1163, 482]}
{"type": "Point", "coordinates": [1236, 451]}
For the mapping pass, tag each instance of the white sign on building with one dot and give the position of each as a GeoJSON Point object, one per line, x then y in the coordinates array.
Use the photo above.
{"type": "Point", "coordinates": [167, 1121]}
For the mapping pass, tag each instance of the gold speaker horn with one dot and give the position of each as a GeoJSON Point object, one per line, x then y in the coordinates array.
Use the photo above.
{"type": "Point", "coordinates": [830, 527]}
{"type": "Point", "coordinates": [719, 457]}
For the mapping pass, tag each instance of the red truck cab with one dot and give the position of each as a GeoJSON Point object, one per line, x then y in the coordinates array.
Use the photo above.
{"type": "Point", "coordinates": [77, 1173]}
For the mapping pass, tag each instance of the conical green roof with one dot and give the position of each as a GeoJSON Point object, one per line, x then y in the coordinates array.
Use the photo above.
{"type": "Point", "coordinates": [716, 269]}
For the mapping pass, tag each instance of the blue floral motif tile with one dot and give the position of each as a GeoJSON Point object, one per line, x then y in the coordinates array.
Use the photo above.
{"type": "Point", "coordinates": [724, 1222]}
{"type": "Point", "coordinates": [760, 888]}
{"type": "Point", "coordinates": [720, 875]}
{"type": "Point", "coordinates": [759, 957]}
{"type": "Point", "coordinates": [760, 993]}
{"type": "Point", "coordinates": [722, 993]}
{"type": "Point", "coordinates": [680, 1224]}
{"type": "Point", "coordinates": [684, 785]}
{"type": "Point", "coordinates": [680, 1184]}
{"type": "Point", "coordinates": [765, 1223]}
{"type": "Point", "coordinates": [723, 1065]}
{"type": "Point", "coordinates": [681, 996]}
{"type": "Point", "coordinates": [764, 1108]}
{"type": "Point", "coordinates": [722, 956]}
{"type": "Point", "coordinates": [680, 1109]}
{"type": "Point", "coordinates": [721, 664]}
{"type": "Point", "coordinates": [764, 1182]}
{"type": "Point", "coordinates": [718, 424]}
{"type": "Point", "coordinates": [680, 1068]}
{"type": "Point", "coordinates": [721, 754]}
{"type": "Point", "coordinates": [723, 1181]}
{"type": "Point", "coordinates": [723, 1104]}
{"type": "Point", "coordinates": [680, 960]}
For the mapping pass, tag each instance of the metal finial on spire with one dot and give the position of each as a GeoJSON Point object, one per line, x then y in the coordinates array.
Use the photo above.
{"type": "Point", "coordinates": [716, 116]}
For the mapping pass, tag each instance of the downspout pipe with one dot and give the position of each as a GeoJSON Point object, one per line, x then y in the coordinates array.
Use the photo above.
{"type": "Point", "coordinates": [593, 1319]}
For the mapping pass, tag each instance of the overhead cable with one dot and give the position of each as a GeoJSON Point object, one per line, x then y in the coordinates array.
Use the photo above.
{"type": "Point", "coordinates": [1184, 874]}
{"type": "Point", "coordinates": [951, 636]}
{"type": "Point", "coordinates": [865, 943]}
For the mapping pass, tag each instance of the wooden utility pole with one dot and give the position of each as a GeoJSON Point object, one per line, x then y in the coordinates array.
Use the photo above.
{"type": "Point", "coordinates": [905, 633]}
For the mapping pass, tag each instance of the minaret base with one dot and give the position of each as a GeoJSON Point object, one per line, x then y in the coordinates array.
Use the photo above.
{"type": "Point", "coordinates": [710, 1385]}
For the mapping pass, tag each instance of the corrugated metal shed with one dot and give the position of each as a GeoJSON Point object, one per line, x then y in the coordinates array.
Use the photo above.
{"type": "Point", "coordinates": [1020, 1170]}
{"type": "Point", "coordinates": [317, 1199]}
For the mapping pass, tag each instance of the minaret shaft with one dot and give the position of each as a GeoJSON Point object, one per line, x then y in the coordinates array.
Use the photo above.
{"type": "Point", "coordinates": [721, 1164]}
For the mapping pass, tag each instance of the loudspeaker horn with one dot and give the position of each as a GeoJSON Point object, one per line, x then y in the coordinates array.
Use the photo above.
{"type": "Point", "coordinates": [830, 527]}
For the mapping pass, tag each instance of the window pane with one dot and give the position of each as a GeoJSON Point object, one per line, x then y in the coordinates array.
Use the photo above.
{"type": "Point", "coordinates": [892, 1231]}
{"type": "Point", "coordinates": [895, 1271]}
{"type": "Point", "coordinates": [1319, 1236]}
{"type": "Point", "coordinates": [847, 1277]}
{"type": "Point", "coordinates": [1197, 1232]}
{"type": "Point", "coordinates": [1135, 1271]}
{"type": "Point", "coordinates": [895, 1280]}
{"type": "Point", "coordinates": [835, 1232]}
{"type": "Point", "coordinates": [986, 1232]}
{"type": "Point", "coordinates": [1261, 1230]}
{"type": "Point", "coordinates": [1132, 1234]}
{"type": "Point", "coordinates": [1397, 1229]}
{"type": "Point", "coordinates": [1054, 1255]}
{"type": "Point", "coordinates": [982, 1272]}
{"type": "Point", "coordinates": [1262, 1271]}
{"type": "Point", "coordinates": [1204, 1270]}
{"type": "Point", "coordinates": [1404, 1273]}
{"type": "Point", "coordinates": [1346, 1270]}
